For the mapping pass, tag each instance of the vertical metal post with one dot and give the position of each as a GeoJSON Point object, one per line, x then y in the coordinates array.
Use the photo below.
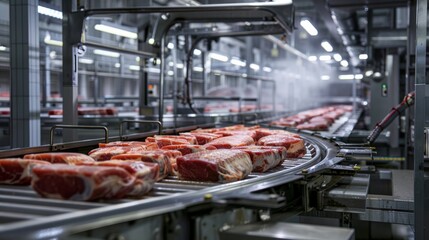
{"type": "Point", "coordinates": [421, 200]}
{"type": "Point", "coordinates": [47, 86]}
{"type": "Point", "coordinates": [161, 80]}
{"type": "Point", "coordinates": [70, 74]}
{"type": "Point", "coordinates": [409, 86]}
{"type": "Point", "coordinates": [175, 78]}
{"type": "Point", "coordinates": [25, 74]}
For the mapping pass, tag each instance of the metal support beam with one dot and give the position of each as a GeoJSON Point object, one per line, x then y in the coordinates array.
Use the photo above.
{"type": "Point", "coordinates": [25, 74]}
{"type": "Point", "coordinates": [70, 73]}
{"type": "Point", "coordinates": [421, 200]}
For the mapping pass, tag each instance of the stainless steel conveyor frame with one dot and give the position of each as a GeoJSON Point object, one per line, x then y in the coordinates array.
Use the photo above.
{"type": "Point", "coordinates": [282, 14]}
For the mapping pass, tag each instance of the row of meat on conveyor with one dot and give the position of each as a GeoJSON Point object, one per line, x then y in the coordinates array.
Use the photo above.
{"type": "Point", "coordinates": [46, 185]}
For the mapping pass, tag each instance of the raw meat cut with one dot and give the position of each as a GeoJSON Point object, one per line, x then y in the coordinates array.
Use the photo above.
{"type": "Point", "coordinates": [223, 165]}
{"type": "Point", "coordinates": [144, 145]}
{"type": "Point", "coordinates": [231, 141]}
{"type": "Point", "coordinates": [187, 149]}
{"type": "Point", "coordinates": [164, 140]}
{"type": "Point", "coordinates": [166, 159]}
{"type": "Point", "coordinates": [202, 137]}
{"type": "Point", "coordinates": [145, 173]}
{"type": "Point", "coordinates": [262, 132]}
{"type": "Point", "coordinates": [226, 133]}
{"type": "Point", "coordinates": [61, 157]}
{"type": "Point", "coordinates": [62, 181]}
{"type": "Point", "coordinates": [17, 171]}
{"type": "Point", "coordinates": [263, 158]}
{"type": "Point", "coordinates": [295, 146]}
{"type": "Point", "coordinates": [106, 153]}
{"type": "Point", "coordinates": [313, 126]}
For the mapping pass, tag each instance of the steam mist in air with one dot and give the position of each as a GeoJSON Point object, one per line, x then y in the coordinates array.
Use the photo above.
{"type": "Point", "coordinates": [299, 84]}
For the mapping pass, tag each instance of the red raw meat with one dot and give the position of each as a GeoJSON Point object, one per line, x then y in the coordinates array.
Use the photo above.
{"type": "Point", "coordinates": [55, 112]}
{"type": "Point", "coordinates": [165, 140]}
{"type": "Point", "coordinates": [313, 126]}
{"type": "Point", "coordinates": [215, 166]}
{"type": "Point", "coordinates": [226, 133]}
{"type": "Point", "coordinates": [231, 141]}
{"type": "Point", "coordinates": [202, 137]}
{"type": "Point", "coordinates": [166, 159]}
{"type": "Point", "coordinates": [144, 145]}
{"type": "Point", "coordinates": [295, 146]}
{"type": "Point", "coordinates": [264, 158]}
{"type": "Point", "coordinates": [187, 149]}
{"type": "Point", "coordinates": [61, 157]}
{"type": "Point", "coordinates": [17, 171]}
{"type": "Point", "coordinates": [62, 181]}
{"type": "Point", "coordinates": [321, 119]}
{"type": "Point", "coordinates": [145, 173]}
{"type": "Point", "coordinates": [262, 132]}
{"type": "Point", "coordinates": [106, 153]}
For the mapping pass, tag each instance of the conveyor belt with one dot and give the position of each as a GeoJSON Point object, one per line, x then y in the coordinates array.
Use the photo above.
{"type": "Point", "coordinates": [19, 203]}
{"type": "Point", "coordinates": [169, 195]}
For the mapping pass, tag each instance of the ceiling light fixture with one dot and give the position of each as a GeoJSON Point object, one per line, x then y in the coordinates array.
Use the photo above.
{"type": "Point", "coordinates": [312, 58]}
{"type": "Point", "coordinates": [106, 53]}
{"type": "Point", "coordinates": [346, 77]}
{"type": "Point", "coordinates": [49, 12]}
{"type": "Point", "coordinates": [363, 56]}
{"type": "Point", "coordinates": [337, 57]}
{"type": "Point", "coordinates": [369, 73]}
{"type": "Point", "coordinates": [344, 63]}
{"type": "Point", "coordinates": [86, 60]}
{"type": "Point", "coordinates": [134, 67]}
{"type": "Point", "coordinates": [197, 52]}
{"type": "Point", "coordinates": [267, 69]}
{"type": "Point", "coordinates": [324, 77]}
{"type": "Point", "coordinates": [115, 30]}
{"type": "Point", "coordinates": [358, 76]}
{"type": "Point", "coordinates": [324, 58]}
{"type": "Point", "coordinates": [238, 62]}
{"type": "Point", "coordinates": [254, 66]}
{"type": "Point", "coordinates": [306, 24]}
{"type": "Point", "coordinates": [327, 46]}
{"type": "Point", "coordinates": [218, 57]}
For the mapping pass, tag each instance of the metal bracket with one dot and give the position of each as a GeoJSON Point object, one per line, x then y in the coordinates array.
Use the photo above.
{"type": "Point", "coordinates": [57, 147]}
{"type": "Point", "coordinates": [121, 129]}
{"type": "Point", "coordinates": [426, 152]}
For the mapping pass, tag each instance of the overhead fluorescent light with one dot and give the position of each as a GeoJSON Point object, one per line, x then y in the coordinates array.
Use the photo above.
{"type": "Point", "coordinates": [238, 62]}
{"type": "Point", "coordinates": [52, 54]}
{"type": "Point", "coordinates": [86, 60]}
{"type": "Point", "coordinates": [312, 58]}
{"type": "Point", "coordinates": [197, 52]}
{"type": "Point", "coordinates": [50, 41]}
{"type": "Point", "coordinates": [151, 41]}
{"type": "Point", "coordinates": [254, 66]}
{"type": "Point", "coordinates": [152, 70]}
{"type": "Point", "coordinates": [344, 63]}
{"type": "Point", "coordinates": [377, 74]}
{"type": "Point", "coordinates": [244, 75]}
{"type": "Point", "coordinates": [358, 76]}
{"type": "Point", "coordinates": [170, 45]}
{"type": "Point", "coordinates": [324, 58]}
{"type": "Point", "coordinates": [218, 57]}
{"type": "Point", "coordinates": [2, 48]}
{"type": "Point", "coordinates": [324, 77]}
{"type": "Point", "coordinates": [337, 57]}
{"type": "Point", "coordinates": [117, 65]}
{"type": "Point", "coordinates": [115, 31]}
{"type": "Point", "coordinates": [369, 73]}
{"type": "Point", "coordinates": [267, 69]}
{"type": "Point", "coordinates": [49, 12]}
{"type": "Point", "coordinates": [363, 56]}
{"type": "Point", "coordinates": [327, 46]}
{"type": "Point", "coordinates": [106, 53]}
{"type": "Point", "coordinates": [179, 65]}
{"type": "Point", "coordinates": [170, 64]}
{"type": "Point", "coordinates": [198, 69]}
{"type": "Point", "coordinates": [170, 73]}
{"type": "Point", "coordinates": [309, 27]}
{"type": "Point", "coordinates": [346, 77]}
{"type": "Point", "coordinates": [134, 67]}
{"type": "Point", "coordinates": [137, 59]}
